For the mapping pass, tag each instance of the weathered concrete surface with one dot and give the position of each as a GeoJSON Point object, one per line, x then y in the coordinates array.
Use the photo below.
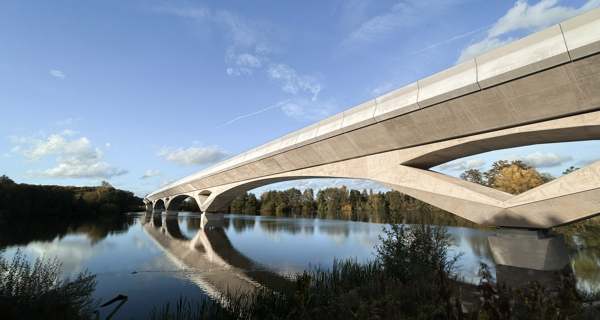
{"type": "Point", "coordinates": [524, 93]}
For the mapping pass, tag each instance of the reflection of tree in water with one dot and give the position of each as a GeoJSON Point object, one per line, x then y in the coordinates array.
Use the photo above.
{"type": "Point", "coordinates": [480, 247]}
{"type": "Point", "coordinates": [194, 224]}
{"type": "Point", "coordinates": [441, 218]}
{"type": "Point", "coordinates": [239, 225]}
{"type": "Point", "coordinates": [275, 226]}
{"type": "Point", "coordinates": [586, 266]}
{"type": "Point", "coordinates": [308, 229]}
{"type": "Point", "coordinates": [584, 237]}
{"type": "Point", "coordinates": [47, 230]}
{"type": "Point", "coordinates": [96, 231]}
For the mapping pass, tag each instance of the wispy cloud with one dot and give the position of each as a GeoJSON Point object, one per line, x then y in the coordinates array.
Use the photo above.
{"type": "Point", "coordinates": [76, 158]}
{"type": "Point", "coordinates": [587, 161]}
{"type": "Point", "coordinates": [308, 109]}
{"type": "Point", "coordinates": [526, 17]}
{"type": "Point", "coordinates": [150, 173]}
{"type": "Point", "coordinates": [458, 37]}
{"type": "Point", "coordinates": [57, 74]}
{"type": "Point", "coordinates": [193, 156]}
{"type": "Point", "coordinates": [539, 159]}
{"type": "Point", "coordinates": [67, 121]}
{"type": "Point", "coordinates": [291, 82]}
{"type": "Point", "coordinates": [253, 113]}
{"type": "Point", "coordinates": [462, 165]}
{"type": "Point", "coordinates": [243, 63]}
{"type": "Point", "coordinates": [403, 15]}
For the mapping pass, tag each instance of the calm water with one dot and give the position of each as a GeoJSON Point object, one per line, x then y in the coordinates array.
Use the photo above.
{"type": "Point", "coordinates": [154, 261]}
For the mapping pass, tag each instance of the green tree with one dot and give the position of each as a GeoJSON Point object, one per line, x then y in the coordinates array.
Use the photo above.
{"type": "Point", "coordinates": [569, 170]}
{"type": "Point", "coordinates": [474, 175]}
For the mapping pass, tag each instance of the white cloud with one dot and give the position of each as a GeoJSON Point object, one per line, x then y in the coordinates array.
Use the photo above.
{"type": "Point", "coordinates": [462, 165]}
{"type": "Point", "coordinates": [150, 173]}
{"type": "Point", "coordinates": [108, 146]}
{"type": "Point", "coordinates": [194, 156]}
{"type": "Point", "coordinates": [57, 74]}
{"type": "Point", "coordinates": [77, 158]}
{"type": "Point", "coordinates": [68, 133]}
{"type": "Point", "coordinates": [523, 16]}
{"type": "Point", "coordinates": [291, 82]}
{"type": "Point", "coordinates": [540, 160]}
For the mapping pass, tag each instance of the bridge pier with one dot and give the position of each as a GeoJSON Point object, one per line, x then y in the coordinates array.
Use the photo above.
{"type": "Point", "coordinates": [523, 255]}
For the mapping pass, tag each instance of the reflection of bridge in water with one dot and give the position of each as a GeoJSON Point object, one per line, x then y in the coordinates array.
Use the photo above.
{"type": "Point", "coordinates": [217, 267]}
{"type": "Point", "coordinates": [520, 256]}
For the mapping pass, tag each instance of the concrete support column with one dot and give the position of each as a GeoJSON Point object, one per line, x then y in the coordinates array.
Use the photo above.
{"type": "Point", "coordinates": [523, 256]}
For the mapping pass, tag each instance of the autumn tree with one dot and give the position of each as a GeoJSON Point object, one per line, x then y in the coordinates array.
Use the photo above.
{"type": "Point", "coordinates": [516, 180]}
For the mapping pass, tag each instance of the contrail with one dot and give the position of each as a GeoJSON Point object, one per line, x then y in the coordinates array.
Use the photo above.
{"type": "Point", "coordinates": [251, 114]}
{"type": "Point", "coordinates": [448, 40]}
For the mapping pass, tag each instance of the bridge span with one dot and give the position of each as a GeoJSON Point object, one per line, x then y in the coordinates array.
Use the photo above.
{"type": "Point", "coordinates": [544, 88]}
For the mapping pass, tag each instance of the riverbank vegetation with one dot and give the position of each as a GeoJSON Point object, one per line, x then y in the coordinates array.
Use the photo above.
{"type": "Point", "coordinates": [37, 291]}
{"type": "Point", "coordinates": [26, 201]}
{"type": "Point", "coordinates": [412, 277]}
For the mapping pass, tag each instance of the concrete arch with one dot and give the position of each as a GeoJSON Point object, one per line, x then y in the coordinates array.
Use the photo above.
{"type": "Point", "coordinates": [562, 201]}
{"type": "Point", "coordinates": [158, 206]}
{"type": "Point", "coordinates": [172, 207]}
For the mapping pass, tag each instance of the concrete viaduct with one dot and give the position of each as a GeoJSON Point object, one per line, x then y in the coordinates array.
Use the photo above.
{"type": "Point", "coordinates": [544, 88]}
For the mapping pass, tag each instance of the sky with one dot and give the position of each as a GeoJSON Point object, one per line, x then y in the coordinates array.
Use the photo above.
{"type": "Point", "coordinates": [143, 93]}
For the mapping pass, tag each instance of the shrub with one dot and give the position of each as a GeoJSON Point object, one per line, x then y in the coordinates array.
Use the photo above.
{"type": "Point", "coordinates": [38, 292]}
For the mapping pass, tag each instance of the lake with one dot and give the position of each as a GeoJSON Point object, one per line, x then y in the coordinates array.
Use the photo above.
{"type": "Point", "coordinates": [156, 260]}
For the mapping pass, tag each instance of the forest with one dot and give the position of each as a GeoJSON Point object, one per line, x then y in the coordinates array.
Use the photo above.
{"type": "Point", "coordinates": [20, 201]}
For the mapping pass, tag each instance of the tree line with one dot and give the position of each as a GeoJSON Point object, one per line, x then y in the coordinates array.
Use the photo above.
{"type": "Point", "coordinates": [330, 199]}
{"type": "Point", "coordinates": [25, 201]}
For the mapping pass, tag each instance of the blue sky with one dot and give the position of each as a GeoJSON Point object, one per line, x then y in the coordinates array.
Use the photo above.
{"type": "Point", "coordinates": [142, 93]}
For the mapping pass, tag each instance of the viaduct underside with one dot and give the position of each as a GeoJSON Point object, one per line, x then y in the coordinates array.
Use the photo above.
{"type": "Point", "coordinates": [541, 89]}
